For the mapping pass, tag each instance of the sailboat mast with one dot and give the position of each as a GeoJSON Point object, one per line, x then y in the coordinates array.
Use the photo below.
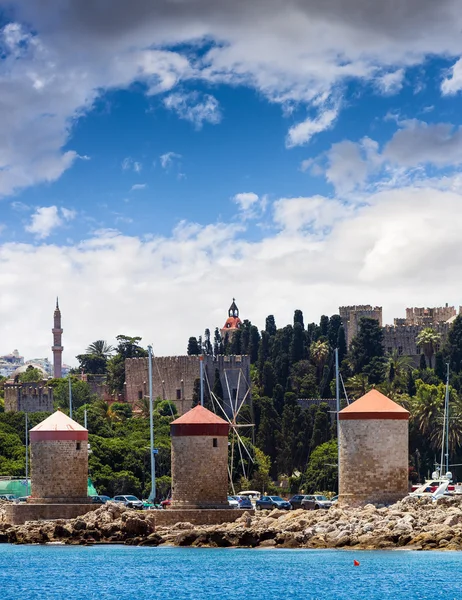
{"type": "Point", "coordinates": [337, 400]}
{"type": "Point", "coordinates": [446, 410]}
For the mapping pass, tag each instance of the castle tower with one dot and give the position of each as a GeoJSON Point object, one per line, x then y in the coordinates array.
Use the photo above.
{"type": "Point", "coordinates": [374, 451]}
{"type": "Point", "coordinates": [59, 461]}
{"type": "Point", "coordinates": [233, 322]}
{"type": "Point", "coordinates": [199, 460]}
{"type": "Point", "coordinates": [57, 343]}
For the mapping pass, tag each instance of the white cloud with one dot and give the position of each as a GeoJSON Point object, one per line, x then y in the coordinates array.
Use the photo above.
{"type": "Point", "coordinates": [391, 83]}
{"type": "Point", "coordinates": [167, 159]}
{"type": "Point", "coordinates": [250, 205]}
{"type": "Point", "coordinates": [322, 254]}
{"type": "Point", "coordinates": [128, 164]}
{"type": "Point", "coordinates": [47, 218]}
{"type": "Point", "coordinates": [303, 132]}
{"type": "Point", "coordinates": [354, 166]}
{"type": "Point", "coordinates": [245, 200]}
{"type": "Point", "coordinates": [453, 83]}
{"type": "Point", "coordinates": [138, 186]}
{"type": "Point", "coordinates": [305, 50]}
{"type": "Point", "coordinates": [195, 108]}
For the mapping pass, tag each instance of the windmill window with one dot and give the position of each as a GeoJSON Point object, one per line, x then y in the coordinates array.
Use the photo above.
{"type": "Point", "coordinates": [178, 394]}
{"type": "Point", "coordinates": [140, 394]}
{"type": "Point", "coordinates": [77, 446]}
{"type": "Point", "coordinates": [215, 442]}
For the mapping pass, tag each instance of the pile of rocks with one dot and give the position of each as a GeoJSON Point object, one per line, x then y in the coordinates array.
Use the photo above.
{"type": "Point", "coordinates": [412, 523]}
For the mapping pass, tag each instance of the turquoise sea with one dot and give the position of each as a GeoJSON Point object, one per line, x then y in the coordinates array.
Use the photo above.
{"type": "Point", "coordinates": [132, 573]}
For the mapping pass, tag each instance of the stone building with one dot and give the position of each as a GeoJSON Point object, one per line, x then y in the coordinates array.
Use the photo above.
{"type": "Point", "coordinates": [351, 315]}
{"type": "Point", "coordinates": [174, 377]}
{"type": "Point", "coordinates": [426, 317]}
{"type": "Point", "coordinates": [28, 397]}
{"type": "Point", "coordinates": [59, 460]}
{"type": "Point", "coordinates": [374, 451]}
{"type": "Point", "coordinates": [199, 461]}
{"type": "Point", "coordinates": [59, 465]}
{"type": "Point", "coordinates": [232, 323]}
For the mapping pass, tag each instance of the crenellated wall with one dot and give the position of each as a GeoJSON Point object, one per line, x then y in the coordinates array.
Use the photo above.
{"type": "Point", "coordinates": [173, 378]}
{"type": "Point", "coordinates": [28, 397]}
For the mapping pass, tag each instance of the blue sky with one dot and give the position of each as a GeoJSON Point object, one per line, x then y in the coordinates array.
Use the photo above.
{"type": "Point", "coordinates": [158, 159]}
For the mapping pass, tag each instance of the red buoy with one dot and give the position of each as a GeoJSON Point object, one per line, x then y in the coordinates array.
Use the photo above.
{"type": "Point", "coordinates": [356, 563]}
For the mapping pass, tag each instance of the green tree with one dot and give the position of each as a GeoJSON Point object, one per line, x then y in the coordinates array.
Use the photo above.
{"type": "Point", "coordinates": [236, 343]}
{"type": "Point", "coordinates": [341, 345]}
{"type": "Point", "coordinates": [298, 318]}
{"type": "Point", "coordinates": [100, 348]}
{"type": "Point", "coordinates": [324, 325]}
{"type": "Point", "coordinates": [440, 366]}
{"type": "Point", "coordinates": [193, 347]}
{"type": "Point", "coordinates": [422, 363]}
{"type": "Point", "coordinates": [268, 380]}
{"type": "Point", "coordinates": [335, 322]}
{"type": "Point", "coordinates": [217, 387]}
{"type": "Point", "coordinates": [297, 346]}
{"type": "Point", "coordinates": [367, 344]}
{"type": "Point", "coordinates": [453, 347]}
{"type": "Point", "coordinates": [253, 344]}
{"type": "Point", "coordinates": [319, 353]}
{"type": "Point", "coordinates": [321, 425]}
{"type": "Point", "coordinates": [127, 347]}
{"type": "Point", "coordinates": [357, 386]}
{"type": "Point", "coordinates": [208, 348]}
{"type": "Point", "coordinates": [31, 375]}
{"type": "Point", "coordinates": [81, 393]}
{"type": "Point", "coordinates": [322, 472]}
{"type": "Point", "coordinates": [268, 431]}
{"type": "Point", "coordinates": [428, 340]}
{"type": "Point", "coordinates": [270, 325]}
{"type": "Point", "coordinates": [217, 343]}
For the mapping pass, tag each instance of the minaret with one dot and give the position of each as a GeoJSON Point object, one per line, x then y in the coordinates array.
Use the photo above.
{"type": "Point", "coordinates": [57, 341]}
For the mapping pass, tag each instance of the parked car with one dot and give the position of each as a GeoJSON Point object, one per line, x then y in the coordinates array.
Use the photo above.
{"type": "Point", "coordinates": [99, 499]}
{"type": "Point", "coordinates": [296, 501]}
{"type": "Point", "coordinates": [233, 503]}
{"type": "Point", "coordinates": [21, 499]}
{"type": "Point", "coordinates": [253, 495]}
{"type": "Point", "coordinates": [270, 502]}
{"type": "Point", "coordinates": [166, 502]}
{"type": "Point", "coordinates": [334, 499]}
{"type": "Point", "coordinates": [129, 501]}
{"type": "Point", "coordinates": [244, 502]}
{"type": "Point", "coordinates": [8, 497]}
{"type": "Point", "coordinates": [316, 502]}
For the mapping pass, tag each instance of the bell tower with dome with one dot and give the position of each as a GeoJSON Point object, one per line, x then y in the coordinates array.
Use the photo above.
{"type": "Point", "coordinates": [233, 322]}
{"type": "Point", "coordinates": [57, 347]}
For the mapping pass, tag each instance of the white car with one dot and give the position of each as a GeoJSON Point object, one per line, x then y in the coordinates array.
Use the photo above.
{"type": "Point", "coordinates": [233, 503]}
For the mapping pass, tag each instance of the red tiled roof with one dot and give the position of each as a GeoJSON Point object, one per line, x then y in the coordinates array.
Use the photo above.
{"type": "Point", "coordinates": [374, 405]}
{"type": "Point", "coordinates": [199, 415]}
{"type": "Point", "coordinates": [58, 426]}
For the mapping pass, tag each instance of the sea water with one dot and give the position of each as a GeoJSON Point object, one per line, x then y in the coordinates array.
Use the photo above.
{"type": "Point", "coordinates": [138, 573]}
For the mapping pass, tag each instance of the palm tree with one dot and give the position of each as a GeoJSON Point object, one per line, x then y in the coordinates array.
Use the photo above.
{"type": "Point", "coordinates": [398, 363]}
{"type": "Point", "coordinates": [428, 339]}
{"type": "Point", "coordinates": [358, 385]}
{"type": "Point", "coordinates": [100, 348]}
{"type": "Point", "coordinates": [426, 409]}
{"type": "Point", "coordinates": [319, 352]}
{"type": "Point", "coordinates": [106, 412]}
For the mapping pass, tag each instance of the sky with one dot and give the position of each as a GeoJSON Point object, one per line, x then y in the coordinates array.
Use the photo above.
{"type": "Point", "coordinates": [159, 158]}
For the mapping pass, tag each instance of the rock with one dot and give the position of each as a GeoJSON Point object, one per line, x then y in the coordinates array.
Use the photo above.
{"type": "Point", "coordinates": [79, 524]}
{"type": "Point", "coordinates": [135, 525]}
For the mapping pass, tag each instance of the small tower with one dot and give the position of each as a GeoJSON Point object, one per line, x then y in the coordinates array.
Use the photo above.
{"type": "Point", "coordinates": [57, 343]}
{"type": "Point", "coordinates": [233, 322]}
{"type": "Point", "coordinates": [59, 461]}
{"type": "Point", "coordinates": [374, 451]}
{"type": "Point", "coordinates": [199, 460]}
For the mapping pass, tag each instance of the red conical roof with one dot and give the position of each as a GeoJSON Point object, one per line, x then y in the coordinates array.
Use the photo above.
{"type": "Point", "coordinates": [374, 405]}
{"type": "Point", "coordinates": [199, 421]}
{"type": "Point", "coordinates": [58, 426]}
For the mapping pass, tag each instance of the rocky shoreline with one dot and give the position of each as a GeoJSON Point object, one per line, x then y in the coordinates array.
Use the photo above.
{"type": "Point", "coordinates": [417, 524]}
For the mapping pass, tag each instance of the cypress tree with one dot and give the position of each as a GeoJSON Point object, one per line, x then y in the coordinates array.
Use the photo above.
{"type": "Point", "coordinates": [411, 389]}
{"type": "Point", "coordinates": [440, 367]}
{"type": "Point", "coordinates": [268, 380]}
{"type": "Point", "coordinates": [335, 322]}
{"type": "Point", "coordinates": [193, 347]}
{"type": "Point", "coordinates": [270, 325]}
{"type": "Point", "coordinates": [423, 362]}
{"type": "Point", "coordinates": [298, 318]}
{"type": "Point", "coordinates": [253, 344]}
{"type": "Point", "coordinates": [341, 344]}
{"type": "Point", "coordinates": [324, 325]}
{"type": "Point", "coordinates": [298, 343]}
